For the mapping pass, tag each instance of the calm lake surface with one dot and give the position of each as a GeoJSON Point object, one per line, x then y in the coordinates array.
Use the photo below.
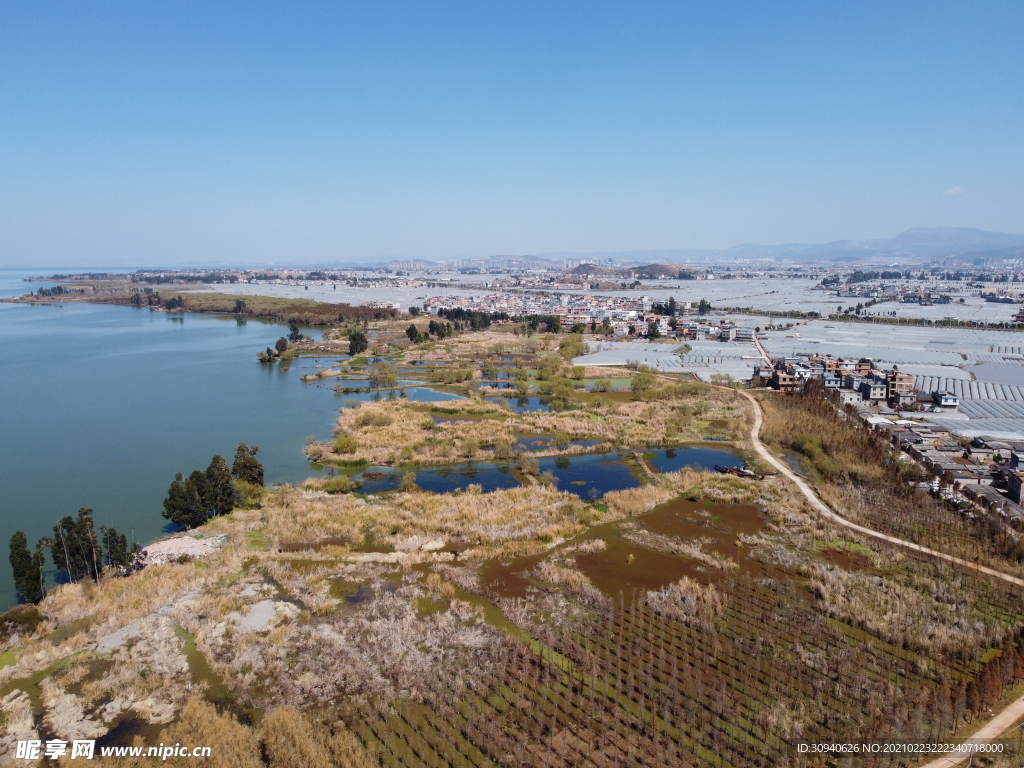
{"type": "Point", "coordinates": [100, 406]}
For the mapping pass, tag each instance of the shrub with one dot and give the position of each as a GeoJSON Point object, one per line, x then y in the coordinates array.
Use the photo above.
{"type": "Point", "coordinates": [345, 444]}
{"type": "Point", "coordinates": [250, 495]}
{"type": "Point", "coordinates": [340, 484]}
{"type": "Point", "coordinates": [383, 375]}
{"type": "Point", "coordinates": [644, 380]}
{"type": "Point", "coordinates": [439, 586]}
{"type": "Point", "coordinates": [572, 346]}
{"type": "Point", "coordinates": [690, 602]}
{"type": "Point", "coordinates": [372, 419]}
{"type": "Point", "coordinates": [408, 481]}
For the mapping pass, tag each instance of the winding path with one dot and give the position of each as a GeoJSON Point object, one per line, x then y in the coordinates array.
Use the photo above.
{"type": "Point", "coordinates": [1015, 710]}
{"type": "Point", "coordinates": [819, 505]}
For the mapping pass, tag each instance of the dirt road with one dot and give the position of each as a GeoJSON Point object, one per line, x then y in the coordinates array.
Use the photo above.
{"type": "Point", "coordinates": [1015, 710]}
{"type": "Point", "coordinates": [821, 507]}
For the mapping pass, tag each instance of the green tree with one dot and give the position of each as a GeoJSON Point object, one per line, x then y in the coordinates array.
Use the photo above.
{"type": "Point", "coordinates": [198, 493]}
{"type": "Point", "coordinates": [221, 499]}
{"type": "Point", "coordinates": [27, 569]}
{"type": "Point", "coordinates": [116, 546]}
{"type": "Point", "coordinates": [246, 468]}
{"type": "Point", "coordinates": [294, 334]}
{"type": "Point", "coordinates": [412, 332]}
{"type": "Point", "coordinates": [704, 307]}
{"type": "Point", "coordinates": [176, 500]}
{"type": "Point", "coordinates": [653, 331]}
{"type": "Point", "coordinates": [562, 391]}
{"type": "Point", "coordinates": [239, 306]}
{"type": "Point", "coordinates": [119, 556]}
{"type": "Point", "coordinates": [185, 504]}
{"type": "Point", "coordinates": [672, 306]}
{"type": "Point", "coordinates": [74, 547]}
{"type": "Point", "coordinates": [281, 346]}
{"type": "Point", "coordinates": [357, 342]}
{"type": "Point", "coordinates": [643, 380]}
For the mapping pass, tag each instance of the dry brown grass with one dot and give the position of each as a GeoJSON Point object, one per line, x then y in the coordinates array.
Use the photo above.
{"type": "Point", "coordinates": [125, 598]}
{"type": "Point", "coordinates": [232, 745]}
{"type": "Point", "coordinates": [289, 741]}
{"type": "Point", "coordinates": [690, 602]}
{"type": "Point", "coordinates": [286, 737]}
{"type": "Point", "coordinates": [932, 613]}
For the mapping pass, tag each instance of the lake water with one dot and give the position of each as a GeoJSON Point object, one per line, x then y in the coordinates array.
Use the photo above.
{"type": "Point", "coordinates": [101, 405]}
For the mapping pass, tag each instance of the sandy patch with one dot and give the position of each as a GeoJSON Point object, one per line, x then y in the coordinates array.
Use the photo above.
{"type": "Point", "coordinates": [169, 550]}
{"type": "Point", "coordinates": [263, 615]}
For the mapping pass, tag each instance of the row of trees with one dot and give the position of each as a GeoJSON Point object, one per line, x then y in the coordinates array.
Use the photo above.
{"type": "Point", "coordinates": [193, 500]}
{"type": "Point", "coordinates": [76, 551]}
{"type": "Point", "coordinates": [471, 319]}
{"type": "Point", "coordinates": [440, 330]}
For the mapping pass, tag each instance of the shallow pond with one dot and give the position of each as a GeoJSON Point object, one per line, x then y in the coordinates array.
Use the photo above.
{"type": "Point", "coordinates": [588, 475]}
{"type": "Point", "coordinates": [795, 461]}
{"type": "Point", "coordinates": [591, 475]}
{"type": "Point", "coordinates": [348, 383]}
{"type": "Point", "coordinates": [490, 476]}
{"type": "Point", "coordinates": [674, 459]}
{"type": "Point", "coordinates": [523, 404]}
{"type": "Point", "coordinates": [547, 443]}
{"type": "Point", "coordinates": [507, 577]}
{"type": "Point", "coordinates": [415, 394]}
{"type": "Point", "coordinates": [625, 566]}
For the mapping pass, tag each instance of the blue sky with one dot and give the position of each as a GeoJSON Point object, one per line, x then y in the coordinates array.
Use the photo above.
{"type": "Point", "coordinates": [176, 133]}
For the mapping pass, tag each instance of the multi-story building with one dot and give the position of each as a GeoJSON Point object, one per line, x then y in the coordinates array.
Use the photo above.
{"type": "Point", "coordinates": [900, 385]}
{"type": "Point", "coordinates": [871, 389]}
{"type": "Point", "coordinates": [783, 380]}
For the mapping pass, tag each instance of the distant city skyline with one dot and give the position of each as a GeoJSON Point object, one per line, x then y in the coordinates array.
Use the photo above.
{"type": "Point", "coordinates": [223, 133]}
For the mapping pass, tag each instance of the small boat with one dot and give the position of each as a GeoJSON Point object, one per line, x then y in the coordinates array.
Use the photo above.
{"type": "Point", "coordinates": [738, 471]}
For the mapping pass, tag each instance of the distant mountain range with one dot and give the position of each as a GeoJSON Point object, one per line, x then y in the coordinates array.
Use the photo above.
{"type": "Point", "coordinates": [912, 245]}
